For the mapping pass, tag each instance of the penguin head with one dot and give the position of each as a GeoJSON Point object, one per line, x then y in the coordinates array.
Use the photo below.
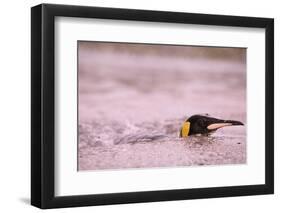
{"type": "Point", "coordinates": [203, 124]}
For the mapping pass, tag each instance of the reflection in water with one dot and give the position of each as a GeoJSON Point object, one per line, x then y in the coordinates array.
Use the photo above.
{"type": "Point", "coordinates": [133, 100]}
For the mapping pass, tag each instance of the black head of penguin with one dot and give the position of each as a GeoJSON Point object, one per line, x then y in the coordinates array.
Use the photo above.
{"type": "Point", "coordinates": [201, 124]}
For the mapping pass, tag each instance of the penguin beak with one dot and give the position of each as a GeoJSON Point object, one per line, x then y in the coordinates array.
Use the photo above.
{"type": "Point", "coordinates": [224, 123]}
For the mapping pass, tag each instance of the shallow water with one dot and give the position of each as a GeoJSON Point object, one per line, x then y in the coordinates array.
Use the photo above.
{"type": "Point", "coordinates": [131, 107]}
{"type": "Point", "coordinates": [136, 146]}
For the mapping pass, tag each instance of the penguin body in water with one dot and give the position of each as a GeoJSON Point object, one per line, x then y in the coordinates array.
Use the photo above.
{"type": "Point", "coordinates": [203, 124]}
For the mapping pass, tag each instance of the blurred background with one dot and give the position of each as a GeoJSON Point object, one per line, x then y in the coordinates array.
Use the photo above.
{"type": "Point", "coordinates": [133, 99]}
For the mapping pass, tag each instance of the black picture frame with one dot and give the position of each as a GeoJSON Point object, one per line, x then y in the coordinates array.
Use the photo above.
{"type": "Point", "coordinates": [43, 102]}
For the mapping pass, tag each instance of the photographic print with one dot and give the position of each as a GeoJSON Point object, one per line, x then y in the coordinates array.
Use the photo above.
{"type": "Point", "coordinates": [160, 105]}
{"type": "Point", "coordinates": [134, 95]}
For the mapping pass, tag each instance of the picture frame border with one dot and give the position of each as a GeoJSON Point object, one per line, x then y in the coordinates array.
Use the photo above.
{"type": "Point", "coordinates": [43, 105]}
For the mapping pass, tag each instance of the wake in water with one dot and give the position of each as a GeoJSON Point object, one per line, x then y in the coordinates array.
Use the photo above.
{"type": "Point", "coordinates": [116, 145]}
{"type": "Point", "coordinates": [113, 133]}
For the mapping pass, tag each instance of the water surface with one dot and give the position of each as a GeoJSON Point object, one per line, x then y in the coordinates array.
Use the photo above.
{"type": "Point", "coordinates": [132, 104]}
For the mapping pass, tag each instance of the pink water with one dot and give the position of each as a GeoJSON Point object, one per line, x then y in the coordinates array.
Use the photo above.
{"type": "Point", "coordinates": [132, 104]}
